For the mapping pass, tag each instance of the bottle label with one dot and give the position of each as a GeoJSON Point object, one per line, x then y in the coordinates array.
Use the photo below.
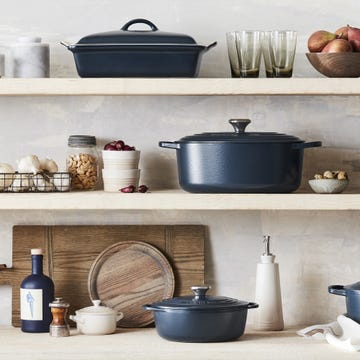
{"type": "Point", "coordinates": [31, 304]}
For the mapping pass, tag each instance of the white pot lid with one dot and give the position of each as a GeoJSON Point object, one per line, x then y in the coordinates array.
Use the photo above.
{"type": "Point", "coordinates": [96, 309]}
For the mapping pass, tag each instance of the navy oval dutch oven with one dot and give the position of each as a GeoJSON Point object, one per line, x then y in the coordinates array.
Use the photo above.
{"type": "Point", "coordinates": [239, 161]}
{"type": "Point", "coordinates": [200, 318]}
{"type": "Point", "coordinates": [352, 295]}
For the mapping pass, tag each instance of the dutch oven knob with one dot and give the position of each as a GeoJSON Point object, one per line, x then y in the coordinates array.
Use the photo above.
{"type": "Point", "coordinates": [200, 291]}
{"type": "Point", "coordinates": [239, 125]}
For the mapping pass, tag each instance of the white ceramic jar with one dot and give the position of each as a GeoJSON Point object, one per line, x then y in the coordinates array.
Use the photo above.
{"type": "Point", "coordinates": [97, 319]}
{"type": "Point", "coordinates": [31, 58]}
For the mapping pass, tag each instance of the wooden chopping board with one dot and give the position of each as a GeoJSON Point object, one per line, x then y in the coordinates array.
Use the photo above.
{"type": "Point", "coordinates": [69, 252]}
{"type": "Point", "coordinates": [127, 275]}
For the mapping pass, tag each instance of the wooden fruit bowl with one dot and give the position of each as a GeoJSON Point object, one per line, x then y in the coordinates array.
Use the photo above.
{"type": "Point", "coordinates": [336, 64]}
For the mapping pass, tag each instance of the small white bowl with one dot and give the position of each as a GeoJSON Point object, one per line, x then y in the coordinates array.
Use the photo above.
{"type": "Point", "coordinates": [121, 159]}
{"type": "Point", "coordinates": [120, 173]}
{"type": "Point", "coordinates": [328, 186]}
{"type": "Point", "coordinates": [114, 180]}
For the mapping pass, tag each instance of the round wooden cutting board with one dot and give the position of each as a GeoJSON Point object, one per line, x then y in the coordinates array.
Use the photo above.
{"type": "Point", "coordinates": [129, 274]}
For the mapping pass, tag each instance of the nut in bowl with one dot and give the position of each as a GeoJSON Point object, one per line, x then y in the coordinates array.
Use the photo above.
{"type": "Point", "coordinates": [331, 182]}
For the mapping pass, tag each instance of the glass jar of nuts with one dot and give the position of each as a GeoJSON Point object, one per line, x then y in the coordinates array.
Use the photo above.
{"type": "Point", "coordinates": [82, 162]}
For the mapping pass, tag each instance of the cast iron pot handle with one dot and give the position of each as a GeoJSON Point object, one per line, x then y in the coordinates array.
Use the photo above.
{"type": "Point", "coordinates": [298, 146]}
{"type": "Point", "coordinates": [337, 290]}
{"type": "Point", "coordinates": [252, 305]}
{"type": "Point", "coordinates": [169, 144]}
{"type": "Point", "coordinates": [210, 46]}
{"type": "Point", "coordinates": [139, 21]}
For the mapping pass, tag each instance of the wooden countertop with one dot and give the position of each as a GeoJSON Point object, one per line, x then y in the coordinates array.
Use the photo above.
{"type": "Point", "coordinates": [133, 344]}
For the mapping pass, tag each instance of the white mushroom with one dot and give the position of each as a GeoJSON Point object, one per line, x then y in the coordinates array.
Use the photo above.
{"type": "Point", "coordinates": [48, 165]}
{"type": "Point", "coordinates": [6, 175]}
{"type": "Point", "coordinates": [41, 184]}
{"type": "Point", "coordinates": [29, 164]}
{"type": "Point", "coordinates": [22, 182]}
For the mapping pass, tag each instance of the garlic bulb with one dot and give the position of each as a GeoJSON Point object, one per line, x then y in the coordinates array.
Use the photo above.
{"type": "Point", "coordinates": [22, 182]}
{"type": "Point", "coordinates": [42, 184]}
{"type": "Point", "coordinates": [48, 165]}
{"type": "Point", "coordinates": [6, 175]}
{"type": "Point", "coordinates": [29, 164]}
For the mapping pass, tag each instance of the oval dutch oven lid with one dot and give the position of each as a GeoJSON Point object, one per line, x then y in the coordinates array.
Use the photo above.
{"type": "Point", "coordinates": [240, 136]}
{"type": "Point", "coordinates": [201, 301]}
{"type": "Point", "coordinates": [127, 36]}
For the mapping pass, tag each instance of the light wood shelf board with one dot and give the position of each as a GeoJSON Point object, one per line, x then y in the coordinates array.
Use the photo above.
{"type": "Point", "coordinates": [176, 200]}
{"type": "Point", "coordinates": [178, 86]}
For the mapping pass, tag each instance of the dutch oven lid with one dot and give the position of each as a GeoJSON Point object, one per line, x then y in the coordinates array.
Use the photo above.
{"type": "Point", "coordinates": [240, 136]}
{"type": "Point", "coordinates": [127, 36]}
{"type": "Point", "coordinates": [200, 301]}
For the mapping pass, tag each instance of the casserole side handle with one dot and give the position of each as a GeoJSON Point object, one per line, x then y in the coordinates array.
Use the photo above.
{"type": "Point", "coordinates": [169, 145]}
{"type": "Point", "coordinates": [337, 290]}
{"type": "Point", "coordinates": [299, 146]}
{"type": "Point", "coordinates": [207, 48]}
{"type": "Point", "coordinates": [252, 305]}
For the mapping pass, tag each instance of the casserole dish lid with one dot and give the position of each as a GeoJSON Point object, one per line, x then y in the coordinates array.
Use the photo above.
{"type": "Point", "coordinates": [240, 136]}
{"type": "Point", "coordinates": [97, 309]}
{"type": "Point", "coordinates": [200, 301]}
{"type": "Point", "coordinates": [127, 36]}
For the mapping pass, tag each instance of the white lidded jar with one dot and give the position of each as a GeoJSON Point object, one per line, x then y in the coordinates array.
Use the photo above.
{"type": "Point", "coordinates": [31, 58]}
{"type": "Point", "coordinates": [269, 315]}
{"type": "Point", "coordinates": [97, 319]}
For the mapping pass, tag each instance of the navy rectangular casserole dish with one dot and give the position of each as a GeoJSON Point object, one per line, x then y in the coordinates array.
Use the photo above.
{"type": "Point", "coordinates": [137, 53]}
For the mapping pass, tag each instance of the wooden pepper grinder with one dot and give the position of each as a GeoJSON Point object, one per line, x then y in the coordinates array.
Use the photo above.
{"type": "Point", "coordinates": [59, 326]}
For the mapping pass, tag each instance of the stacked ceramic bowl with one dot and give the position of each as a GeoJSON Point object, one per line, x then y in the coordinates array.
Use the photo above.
{"type": "Point", "coordinates": [120, 169]}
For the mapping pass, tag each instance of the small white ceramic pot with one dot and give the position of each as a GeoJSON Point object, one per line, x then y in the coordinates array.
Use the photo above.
{"type": "Point", "coordinates": [96, 320]}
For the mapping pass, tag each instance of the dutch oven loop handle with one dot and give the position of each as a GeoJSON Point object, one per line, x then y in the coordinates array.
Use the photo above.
{"type": "Point", "coordinates": [139, 21]}
{"type": "Point", "coordinates": [337, 290]}
{"type": "Point", "coordinates": [239, 125]}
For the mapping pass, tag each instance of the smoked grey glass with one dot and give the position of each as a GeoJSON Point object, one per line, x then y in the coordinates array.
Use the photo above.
{"type": "Point", "coordinates": [282, 52]}
{"type": "Point", "coordinates": [266, 52]}
{"type": "Point", "coordinates": [232, 53]}
{"type": "Point", "coordinates": [248, 45]}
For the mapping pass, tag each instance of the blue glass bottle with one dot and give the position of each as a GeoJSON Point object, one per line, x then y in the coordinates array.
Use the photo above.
{"type": "Point", "coordinates": [36, 292]}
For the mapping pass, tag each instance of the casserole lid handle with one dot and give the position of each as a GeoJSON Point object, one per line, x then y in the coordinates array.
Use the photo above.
{"type": "Point", "coordinates": [239, 125]}
{"type": "Point", "coordinates": [153, 27]}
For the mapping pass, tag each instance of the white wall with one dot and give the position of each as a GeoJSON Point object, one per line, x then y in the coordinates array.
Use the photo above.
{"type": "Point", "coordinates": [314, 249]}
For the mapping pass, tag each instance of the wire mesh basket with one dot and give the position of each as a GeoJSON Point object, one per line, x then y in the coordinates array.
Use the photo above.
{"type": "Point", "coordinates": [40, 182]}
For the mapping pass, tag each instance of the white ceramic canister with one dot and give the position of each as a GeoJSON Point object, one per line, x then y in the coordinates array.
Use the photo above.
{"type": "Point", "coordinates": [31, 58]}
{"type": "Point", "coordinates": [97, 319]}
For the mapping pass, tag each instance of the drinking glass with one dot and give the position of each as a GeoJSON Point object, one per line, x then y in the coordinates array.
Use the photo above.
{"type": "Point", "coordinates": [282, 45]}
{"type": "Point", "coordinates": [248, 44]}
{"type": "Point", "coordinates": [233, 54]}
{"type": "Point", "coordinates": [266, 52]}
{"type": "Point", "coordinates": [244, 50]}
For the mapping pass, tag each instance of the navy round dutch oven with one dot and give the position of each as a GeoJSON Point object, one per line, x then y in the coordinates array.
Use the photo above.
{"type": "Point", "coordinates": [352, 295]}
{"type": "Point", "coordinates": [239, 161]}
{"type": "Point", "coordinates": [200, 318]}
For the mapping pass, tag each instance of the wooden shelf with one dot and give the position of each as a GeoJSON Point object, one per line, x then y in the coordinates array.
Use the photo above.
{"type": "Point", "coordinates": [176, 200]}
{"type": "Point", "coordinates": [178, 86]}
{"type": "Point", "coordinates": [146, 344]}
